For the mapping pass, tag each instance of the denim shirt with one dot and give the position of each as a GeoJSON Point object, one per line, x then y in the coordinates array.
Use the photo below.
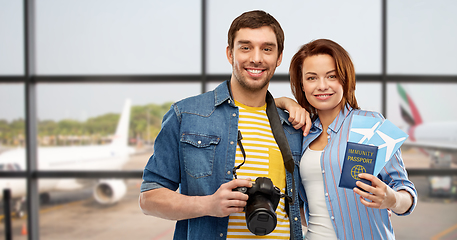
{"type": "Point", "coordinates": [195, 152]}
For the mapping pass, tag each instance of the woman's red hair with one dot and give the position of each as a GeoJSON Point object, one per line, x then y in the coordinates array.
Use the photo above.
{"type": "Point", "coordinates": [344, 67]}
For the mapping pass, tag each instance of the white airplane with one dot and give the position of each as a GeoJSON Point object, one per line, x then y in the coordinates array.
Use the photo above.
{"type": "Point", "coordinates": [366, 132]}
{"type": "Point", "coordinates": [438, 140]}
{"type": "Point", "coordinates": [76, 158]}
{"type": "Point", "coordinates": [389, 144]}
{"type": "Point", "coordinates": [433, 137]}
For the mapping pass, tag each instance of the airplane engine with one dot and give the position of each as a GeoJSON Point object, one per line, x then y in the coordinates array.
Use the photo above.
{"type": "Point", "coordinates": [109, 191]}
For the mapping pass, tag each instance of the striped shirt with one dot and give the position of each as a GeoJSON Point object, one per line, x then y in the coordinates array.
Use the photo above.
{"type": "Point", "coordinates": [350, 218]}
{"type": "Point", "coordinates": [263, 159]}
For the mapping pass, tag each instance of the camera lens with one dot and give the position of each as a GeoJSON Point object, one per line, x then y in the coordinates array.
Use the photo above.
{"type": "Point", "coordinates": [260, 215]}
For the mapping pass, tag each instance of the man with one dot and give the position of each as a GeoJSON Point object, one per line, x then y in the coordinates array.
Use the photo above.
{"type": "Point", "coordinates": [197, 150]}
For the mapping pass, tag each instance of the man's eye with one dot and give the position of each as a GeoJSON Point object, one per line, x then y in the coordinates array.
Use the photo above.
{"type": "Point", "coordinates": [267, 49]}
{"type": "Point", "coordinates": [244, 48]}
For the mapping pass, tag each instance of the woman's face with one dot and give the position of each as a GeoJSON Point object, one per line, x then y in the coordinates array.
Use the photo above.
{"type": "Point", "coordinates": [321, 84]}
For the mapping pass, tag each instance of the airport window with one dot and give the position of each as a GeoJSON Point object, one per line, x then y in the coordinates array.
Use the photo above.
{"type": "Point", "coordinates": [368, 95]}
{"type": "Point", "coordinates": [362, 39]}
{"type": "Point", "coordinates": [413, 27]}
{"type": "Point", "coordinates": [81, 129]}
{"type": "Point", "coordinates": [67, 69]}
{"type": "Point", "coordinates": [12, 121]}
{"type": "Point", "coordinates": [11, 42]}
{"type": "Point", "coordinates": [117, 37]}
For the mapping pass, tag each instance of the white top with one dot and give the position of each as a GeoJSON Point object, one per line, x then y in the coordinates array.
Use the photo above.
{"type": "Point", "coordinates": [319, 224]}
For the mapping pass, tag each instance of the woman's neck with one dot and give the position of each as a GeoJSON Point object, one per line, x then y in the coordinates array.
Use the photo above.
{"type": "Point", "coordinates": [328, 116]}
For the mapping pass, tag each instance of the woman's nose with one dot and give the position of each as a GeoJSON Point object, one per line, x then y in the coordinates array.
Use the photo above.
{"type": "Point", "coordinates": [323, 84]}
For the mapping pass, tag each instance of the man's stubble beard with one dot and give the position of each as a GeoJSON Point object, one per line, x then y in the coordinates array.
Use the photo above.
{"type": "Point", "coordinates": [243, 83]}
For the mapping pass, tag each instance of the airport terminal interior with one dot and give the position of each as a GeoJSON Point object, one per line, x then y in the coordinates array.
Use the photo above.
{"type": "Point", "coordinates": [84, 86]}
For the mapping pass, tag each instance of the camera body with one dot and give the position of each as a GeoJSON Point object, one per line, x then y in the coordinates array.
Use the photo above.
{"type": "Point", "coordinates": [261, 206]}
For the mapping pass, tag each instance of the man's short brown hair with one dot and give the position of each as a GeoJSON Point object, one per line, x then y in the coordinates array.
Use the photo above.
{"type": "Point", "coordinates": [256, 19]}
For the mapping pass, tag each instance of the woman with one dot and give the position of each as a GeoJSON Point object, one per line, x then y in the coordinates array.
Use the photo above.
{"type": "Point", "coordinates": [323, 82]}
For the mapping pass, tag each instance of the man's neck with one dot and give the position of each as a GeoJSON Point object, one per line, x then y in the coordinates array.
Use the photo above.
{"type": "Point", "coordinates": [246, 96]}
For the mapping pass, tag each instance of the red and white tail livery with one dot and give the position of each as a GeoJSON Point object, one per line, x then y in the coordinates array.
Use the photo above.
{"type": "Point", "coordinates": [433, 137]}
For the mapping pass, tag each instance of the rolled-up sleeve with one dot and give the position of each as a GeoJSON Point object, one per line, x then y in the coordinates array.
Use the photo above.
{"type": "Point", "coordinates": [163, 167]}
{"type": "Point", "coordinates": [395, 175]}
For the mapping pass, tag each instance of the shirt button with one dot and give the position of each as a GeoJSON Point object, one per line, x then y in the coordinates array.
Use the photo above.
{"type": "Point", "coordinates": [234, 114]}
{"type": "Point", "coordinates": [231, 143]}
{"type": "Point", "coordinates": [332, 217]}
{"type": "Point", "coordinates": [228, 172]}
{"type": "Point", "coordinates": [323, 171]}
{"type": "Point", "coordinates": [229, 101]}
{"type": "Point", "coordinates": [328, 137]}
{"type": "Point", "coordinates": [291, 190]}
{"type": "Point", "coordinates": [199, 142]}
{"type": "Point", "coordinates": [326, 194]}
{"type": "Point", "coordinates": [296, 219]}
{"type": "Point", "coordinates": [221, 234]}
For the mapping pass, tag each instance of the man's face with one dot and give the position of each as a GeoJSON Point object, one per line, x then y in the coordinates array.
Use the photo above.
{"type": "Point", "coordinates": [254, 57]}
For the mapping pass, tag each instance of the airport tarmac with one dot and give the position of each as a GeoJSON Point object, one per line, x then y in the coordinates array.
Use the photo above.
{"type": "Point", "coordinates": [76, 215]}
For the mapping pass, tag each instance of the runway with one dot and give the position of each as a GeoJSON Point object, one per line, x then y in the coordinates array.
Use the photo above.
{"type": "Point", "coordinates": [76, 215]}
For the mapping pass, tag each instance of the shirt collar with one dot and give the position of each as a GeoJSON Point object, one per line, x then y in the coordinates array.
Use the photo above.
{"type": "Point", "coordinates": [337, 123]}
{"type": "Point", "coordinates": [222, 94]}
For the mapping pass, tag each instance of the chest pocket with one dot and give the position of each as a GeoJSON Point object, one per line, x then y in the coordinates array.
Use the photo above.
{"type": "Point", "coordinates": [199, 153]}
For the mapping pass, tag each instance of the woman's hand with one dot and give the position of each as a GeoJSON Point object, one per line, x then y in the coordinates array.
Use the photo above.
{"type": "Point", "coordinates": [298, 116]}
{"type": "Point", "coordinates": [380, 195]}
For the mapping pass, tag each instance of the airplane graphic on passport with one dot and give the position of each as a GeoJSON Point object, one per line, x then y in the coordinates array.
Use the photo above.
{"type": "Point", "coordinates": [376, 132]}
{"type": "Point", "coordinates": [367, 133]}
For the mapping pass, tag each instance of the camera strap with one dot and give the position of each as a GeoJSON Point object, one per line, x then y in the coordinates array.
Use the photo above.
{"type": "Point", "coordinates": [281, 140]}
{"type": "Point", "coordinates": [278, 133]}
{"type": "Point", "coordinates": [280, 137]}
{"type": "Point", "coordinates": [242, 152]}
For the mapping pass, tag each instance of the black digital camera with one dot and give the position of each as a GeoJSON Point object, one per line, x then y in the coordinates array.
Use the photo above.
{"type": "Point", "coordinates": [261, 206]}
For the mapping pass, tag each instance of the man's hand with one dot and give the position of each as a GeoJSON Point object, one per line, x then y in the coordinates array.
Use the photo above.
{"type": "Point", "coordinates": [382, 196]}
{"type": "Point", "coordinates": [225, 201]}
{"type": "Point", "coordinates": [298, 116]}
{"type": "Point", "coordinates": [168, 204]}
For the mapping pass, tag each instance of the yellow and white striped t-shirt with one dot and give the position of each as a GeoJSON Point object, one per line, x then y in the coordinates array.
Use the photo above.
{"type": "Point", "coordinates": [263, 159]}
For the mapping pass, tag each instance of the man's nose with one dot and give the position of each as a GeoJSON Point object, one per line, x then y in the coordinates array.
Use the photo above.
{"type": "Point", "coordinates": [256, 56]}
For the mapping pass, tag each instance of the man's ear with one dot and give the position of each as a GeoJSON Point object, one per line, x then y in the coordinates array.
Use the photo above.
{"type": "Point", "coordinates": [279, 60]}
{"type": "Point", "coordinates": [229, 53]}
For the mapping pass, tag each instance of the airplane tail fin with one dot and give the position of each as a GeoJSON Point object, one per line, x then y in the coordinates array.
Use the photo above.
{"type": "Point", "coordinates": [120, 138]}
{"type": "Point", "coordinates": [409, 111]}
